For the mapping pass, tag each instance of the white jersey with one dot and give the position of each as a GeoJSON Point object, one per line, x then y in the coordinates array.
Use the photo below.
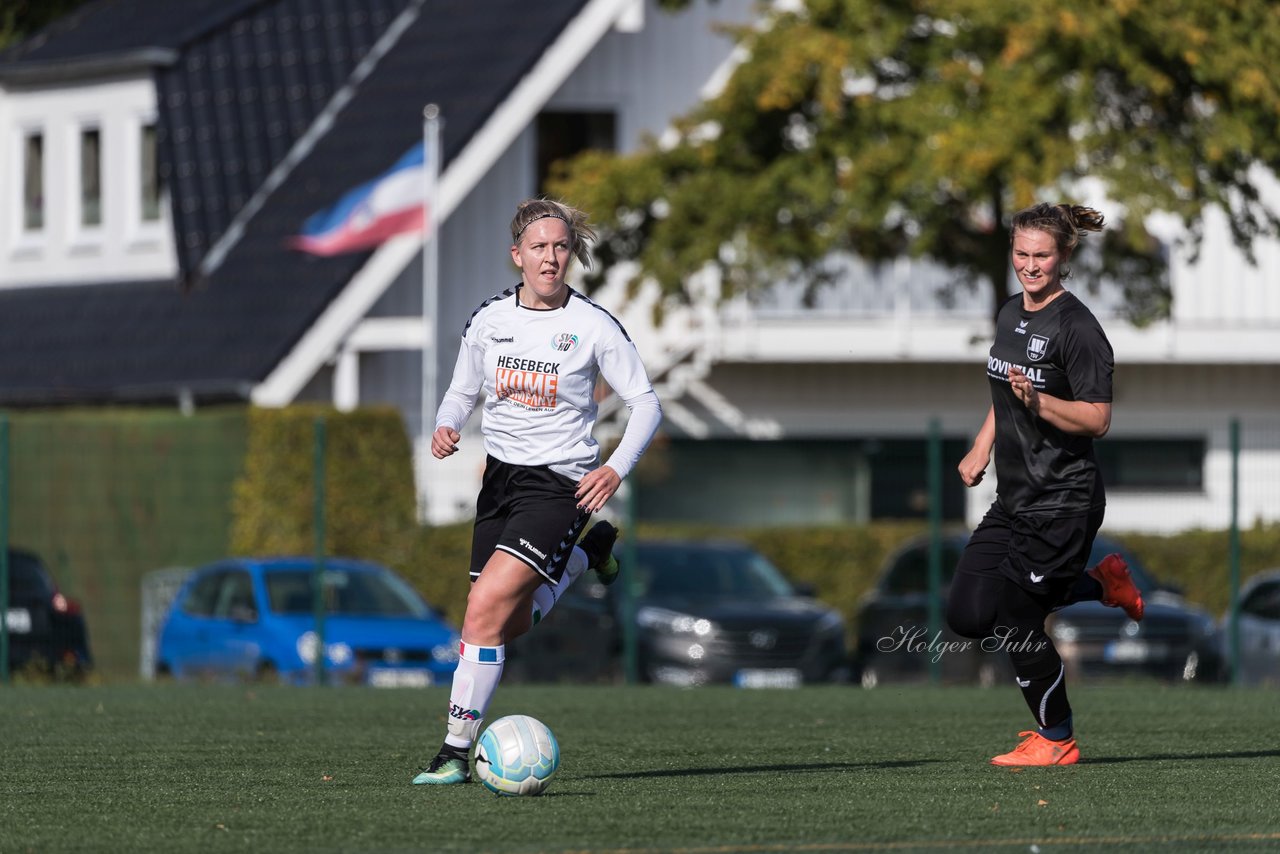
{"type": "Point", "coordinates": [537, 369]}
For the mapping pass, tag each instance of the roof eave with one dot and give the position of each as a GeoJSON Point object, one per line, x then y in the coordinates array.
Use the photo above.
{"type": "Point", "coordinates": [88, 67]}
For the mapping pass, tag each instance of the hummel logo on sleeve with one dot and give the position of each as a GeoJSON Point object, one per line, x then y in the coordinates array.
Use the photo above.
{"type": "Point", "coordinates": [1036, 579]}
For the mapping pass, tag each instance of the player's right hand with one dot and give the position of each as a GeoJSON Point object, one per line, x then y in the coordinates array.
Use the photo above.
{"type": "Point", "coordinates": [444, 442]}
{"type": "Point", "coordinates": [974, 466]}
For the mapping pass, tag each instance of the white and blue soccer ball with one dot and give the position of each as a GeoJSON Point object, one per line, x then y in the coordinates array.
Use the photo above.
{"type": "Point", "coordinates": [517, 755]}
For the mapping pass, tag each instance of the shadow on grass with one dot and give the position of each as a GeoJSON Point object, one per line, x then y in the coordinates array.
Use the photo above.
{"type": "Point", "coordinates": [763, 769]}
{"type": "Point", "coordinates": [1194, 757]}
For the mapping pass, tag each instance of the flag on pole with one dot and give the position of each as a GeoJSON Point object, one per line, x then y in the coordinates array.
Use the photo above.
{"type": "Point", "coordinates": [391, 204]}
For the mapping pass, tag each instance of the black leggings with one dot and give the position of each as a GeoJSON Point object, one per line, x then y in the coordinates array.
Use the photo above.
{"type": "Point", "coordinates": [985, 602]}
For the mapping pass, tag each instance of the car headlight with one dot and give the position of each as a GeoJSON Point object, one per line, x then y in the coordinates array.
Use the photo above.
{"type": "Point", "coordinates": [675, 622]}
{"type": "Point", "coordinates": [1064, 631]}
{"type": "Point", "coordinates": [336, 653]}
{"type": "Point", "coordinates": [446, 653]}
{"type": "Point", "coordinates": [340, 653]}
{"type": "Point", "coordinates": [307, 645]}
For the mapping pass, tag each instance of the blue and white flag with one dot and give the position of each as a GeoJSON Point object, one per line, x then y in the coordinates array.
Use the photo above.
{"type": "Point", "coordinates": [391, 204]}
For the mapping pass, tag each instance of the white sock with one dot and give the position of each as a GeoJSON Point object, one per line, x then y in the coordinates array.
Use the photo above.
{"type": "Point", "coordinates": [546, 596]}
{"type": "Point", "coordinates": [474, 684]}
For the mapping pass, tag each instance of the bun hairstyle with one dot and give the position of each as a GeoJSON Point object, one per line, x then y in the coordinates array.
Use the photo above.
{"type": "Point", "coordinates": [1066, 224]}
{"type": "Point", "coordinates": [580, 230]}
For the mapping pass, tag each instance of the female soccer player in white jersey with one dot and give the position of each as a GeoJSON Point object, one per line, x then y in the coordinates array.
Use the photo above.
{"type": "Point", "coordinates": [534, 351]}
{"type": "Point", "coordinates": [1049, 370]}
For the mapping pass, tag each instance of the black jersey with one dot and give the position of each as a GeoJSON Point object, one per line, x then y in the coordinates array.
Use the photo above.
{"type": "Point", "coordinates": [1064, 352]}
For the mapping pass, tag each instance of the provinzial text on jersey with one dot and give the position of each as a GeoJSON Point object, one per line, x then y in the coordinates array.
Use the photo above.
{"type": "Point", "coordinates": [999, 369]}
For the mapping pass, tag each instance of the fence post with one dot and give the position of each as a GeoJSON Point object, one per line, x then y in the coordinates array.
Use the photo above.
{"type": "Point", "coordinates": [4, 549]}
{"type": "Point", "coordinates": [627, 613]}
{"type": "Point", "coordinates": [935, 544]}
{"type": "Point", "coordinates": [1233, 558]}
{"type": "Point", "coordinates": [317, 584]}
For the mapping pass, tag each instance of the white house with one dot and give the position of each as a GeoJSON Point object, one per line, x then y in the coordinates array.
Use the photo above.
{"type": "Point", "coordinates": [154, 170]}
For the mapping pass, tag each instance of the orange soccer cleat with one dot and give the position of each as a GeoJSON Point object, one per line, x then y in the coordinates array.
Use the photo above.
{"type": "Point", "coordinates": [1038, 750]}
{"type": "Point", "coordinates": [1118, 589]}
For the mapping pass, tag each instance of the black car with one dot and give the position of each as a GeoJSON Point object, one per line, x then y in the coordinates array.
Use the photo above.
{"type": "Point", "coordinates": [704, 612]}
{"type": "Point", "coordinates": [1176, 641]}
{"type": "Point", "coordinates": [47, 633]}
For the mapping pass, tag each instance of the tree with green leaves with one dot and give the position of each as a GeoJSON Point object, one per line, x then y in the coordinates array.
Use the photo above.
{"type": "Point", "coordinates": [22, 18]}
{"type": "Point", "coordinates": [917, 127]}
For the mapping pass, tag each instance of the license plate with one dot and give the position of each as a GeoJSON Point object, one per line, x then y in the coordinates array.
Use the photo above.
{"type": "Point", "coordinates": [391, 677]}
{"type": "Point", "coordinates": [787, 677]}
{"type": "Point", "coordinates": [18, 621]}
{"type": "Point", "coordinates": [1126, 651]}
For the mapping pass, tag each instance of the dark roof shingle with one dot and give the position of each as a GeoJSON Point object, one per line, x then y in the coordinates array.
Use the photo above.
{"type": "Point", "coordinates": [149, 340]}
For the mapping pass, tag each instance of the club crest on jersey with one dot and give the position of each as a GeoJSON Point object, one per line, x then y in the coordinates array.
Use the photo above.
{"type": "Point", "coordinates": [1037, 346]}
{"type": "Point", "coordinates": [564, 342]}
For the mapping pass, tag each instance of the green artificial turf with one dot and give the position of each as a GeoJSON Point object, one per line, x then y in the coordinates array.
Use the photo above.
{"type": "Point", "coordinates": [170, 768]}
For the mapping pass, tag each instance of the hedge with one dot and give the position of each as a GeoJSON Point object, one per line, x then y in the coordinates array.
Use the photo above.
{"type": "Point", "coordinates": [370, 514]}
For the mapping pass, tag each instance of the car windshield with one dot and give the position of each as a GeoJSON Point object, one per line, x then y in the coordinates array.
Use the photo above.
{"type": "Point", "coordinates": [363, 593]}
{"type": "Point", "coordinates": [910, 570]}
{"type": "Point", "coordinates": [700, 571]}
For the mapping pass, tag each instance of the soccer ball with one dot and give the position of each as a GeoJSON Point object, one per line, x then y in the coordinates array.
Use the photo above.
{"type": "Point", "coordinates": [517, 755]}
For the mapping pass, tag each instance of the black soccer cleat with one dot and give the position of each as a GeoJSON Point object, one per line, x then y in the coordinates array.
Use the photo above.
{"type": "Point", "coordinates": [598, 546]}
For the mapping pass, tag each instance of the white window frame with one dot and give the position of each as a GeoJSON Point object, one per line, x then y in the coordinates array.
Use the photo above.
{"type": "Point", "coordinates": [138, 231]}
{"type": "Point", "coordinates": [87, 239]}
{"type": "Point", "coordinates": [29, 242]}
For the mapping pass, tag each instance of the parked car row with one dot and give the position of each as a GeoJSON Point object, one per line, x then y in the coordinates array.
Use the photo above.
{"type": "Point", "coordinates": [702, 612]}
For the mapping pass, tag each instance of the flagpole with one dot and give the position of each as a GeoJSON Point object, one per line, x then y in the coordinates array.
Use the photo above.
{"type": "Point", "coordinates": [430, 291]}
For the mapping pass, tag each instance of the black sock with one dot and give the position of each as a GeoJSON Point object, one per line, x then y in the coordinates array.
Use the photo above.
{"type": "Point", "coordinates": [1086, 589]}
{"type": "Point", "coordinates": [455, 752]}
{"type": "Point", "coordinates": [1046, 696]}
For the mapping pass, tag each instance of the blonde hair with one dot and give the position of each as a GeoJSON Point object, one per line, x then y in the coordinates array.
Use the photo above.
{"type": "Point", "coordinates": [1066, 224]}
{"type": "Point", "coordinates": [580, 231]}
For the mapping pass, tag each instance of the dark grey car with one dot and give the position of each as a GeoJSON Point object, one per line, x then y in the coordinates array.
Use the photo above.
{"type": "Point", "coordinates": [1176, 640]}
{"type": "Point", "coordinates": [704, 612]}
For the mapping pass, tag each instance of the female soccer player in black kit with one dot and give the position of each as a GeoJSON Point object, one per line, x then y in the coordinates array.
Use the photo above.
{"type": "Point", "coordinates": [534, 352]}
{"type": "Point", "coordinates": [1050, 374]}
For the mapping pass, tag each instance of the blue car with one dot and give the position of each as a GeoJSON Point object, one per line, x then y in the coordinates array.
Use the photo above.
{"type": "Point", "coordinates": [254, 618]}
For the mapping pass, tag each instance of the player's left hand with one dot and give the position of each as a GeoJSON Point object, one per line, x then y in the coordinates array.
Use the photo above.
{"type": "Point", "coordinates": [1022, 387]}
{"type": "Point", "coordinates": [596, 488]}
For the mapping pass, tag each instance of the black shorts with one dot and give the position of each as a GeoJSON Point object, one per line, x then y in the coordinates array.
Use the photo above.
{"type": "Point", "coordinates": [527, 511]}
{"type": "Point", "coordinates": [1043, 554]}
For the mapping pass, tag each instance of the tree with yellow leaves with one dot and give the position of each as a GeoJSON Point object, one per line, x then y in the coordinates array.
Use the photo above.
{"type": "Point", "coordinates": [916, 127]}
